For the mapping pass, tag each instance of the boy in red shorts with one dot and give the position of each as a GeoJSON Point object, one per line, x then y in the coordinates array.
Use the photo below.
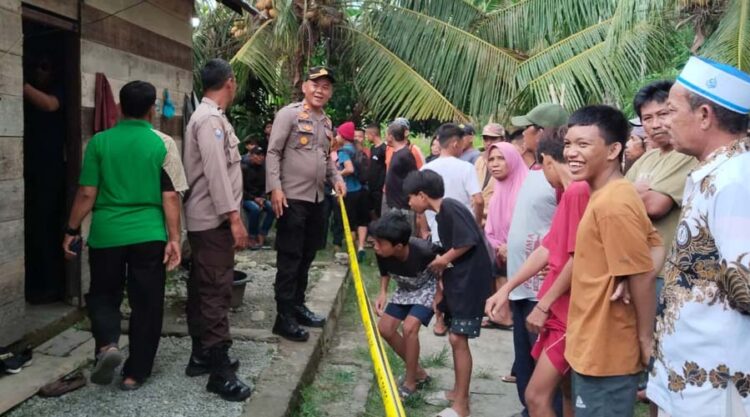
{"type": "Point", "coordinates": [549, 317]}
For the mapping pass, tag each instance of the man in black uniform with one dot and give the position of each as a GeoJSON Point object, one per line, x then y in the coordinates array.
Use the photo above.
{"type": "Point", "coordinates": [298, 165]}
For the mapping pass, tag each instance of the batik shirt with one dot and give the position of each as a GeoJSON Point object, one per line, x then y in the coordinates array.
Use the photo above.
{"type": "Point", "coordinates": [702, 359]}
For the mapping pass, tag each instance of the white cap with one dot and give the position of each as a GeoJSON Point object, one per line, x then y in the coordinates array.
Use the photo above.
{"type": "Point", "coordinates": [723, 84]}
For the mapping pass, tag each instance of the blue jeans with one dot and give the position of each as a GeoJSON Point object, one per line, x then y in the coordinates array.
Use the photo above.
{"type": "Point", "coordinates": [253, 211]}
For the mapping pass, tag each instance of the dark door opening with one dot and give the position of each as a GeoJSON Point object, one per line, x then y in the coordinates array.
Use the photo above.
{"type": "Point", "coordinates": [51, 66]}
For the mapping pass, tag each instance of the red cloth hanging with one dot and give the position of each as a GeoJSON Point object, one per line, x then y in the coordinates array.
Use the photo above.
{"type": "Point", "coordinates": [105, 109]}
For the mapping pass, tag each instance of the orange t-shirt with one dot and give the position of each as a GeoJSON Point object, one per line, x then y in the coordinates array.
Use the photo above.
{"type": "Point", "coordinates": [613, 240]}
{"type": "Point", "coordinates": [414, 151]}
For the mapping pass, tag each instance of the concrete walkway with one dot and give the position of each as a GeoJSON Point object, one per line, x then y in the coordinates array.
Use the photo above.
{"type": "Point", "coordinates": [276, 368]}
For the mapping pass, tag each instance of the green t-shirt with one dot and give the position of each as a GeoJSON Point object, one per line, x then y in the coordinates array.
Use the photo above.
{"type": "Point", "coordinates": [666, 174]}
{"type": "Point", "coordinates": [124, 163]}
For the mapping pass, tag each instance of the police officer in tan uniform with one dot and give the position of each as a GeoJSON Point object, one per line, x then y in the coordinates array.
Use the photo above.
{"type": "Point", "coordinates": [215, 230]}
{"type": "Point", "coordinates": [298, 165]}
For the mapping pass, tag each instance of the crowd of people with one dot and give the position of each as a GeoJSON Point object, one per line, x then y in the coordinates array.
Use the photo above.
{"type": "Point", "coordinates": [555, 231]}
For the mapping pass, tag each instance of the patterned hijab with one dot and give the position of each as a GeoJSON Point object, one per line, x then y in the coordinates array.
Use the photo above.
{"type": "Point", "coordinates": [504, 194]}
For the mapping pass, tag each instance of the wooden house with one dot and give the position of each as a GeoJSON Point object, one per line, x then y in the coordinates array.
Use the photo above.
{"type": "Point", "coordinates": [125, 40]}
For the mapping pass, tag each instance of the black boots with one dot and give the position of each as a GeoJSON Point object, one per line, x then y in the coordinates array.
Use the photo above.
{"type": "Point", "coordinates": [223, 380]}
{"type": "Point", "coordinates": [200, 362]}
{"type": "Point", "coordinates": [307, 318]}
{"type": "Point", "coordinates": [287, 327]}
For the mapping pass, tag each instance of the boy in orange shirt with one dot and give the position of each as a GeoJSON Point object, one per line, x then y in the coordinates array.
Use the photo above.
{"type": "Point", "coordinates": [608, 342]}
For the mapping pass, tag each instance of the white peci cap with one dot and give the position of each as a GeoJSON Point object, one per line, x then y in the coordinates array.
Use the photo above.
{"type": "Point", "coordinates": [723, 84]}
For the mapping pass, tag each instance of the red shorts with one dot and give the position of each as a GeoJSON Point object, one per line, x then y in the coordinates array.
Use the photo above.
{"type": "Point", "coordinates": [552, 342]}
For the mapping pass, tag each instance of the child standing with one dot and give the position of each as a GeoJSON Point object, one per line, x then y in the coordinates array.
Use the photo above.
{"type": "Point", "coordinates": [549, 317]}
{"type": "Point", "coordinates": [608, 343]}
{"type": "Point", "coordinates": [466, 276]}
{"type": "Point", "coordinates": [405, 260]}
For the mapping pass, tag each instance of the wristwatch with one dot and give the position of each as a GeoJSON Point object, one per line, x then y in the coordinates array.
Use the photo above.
{"type": "Point", "coordinates": [72, 232]}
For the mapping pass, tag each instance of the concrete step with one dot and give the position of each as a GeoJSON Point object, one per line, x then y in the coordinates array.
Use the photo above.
{"type": "Point", "coordinates": [51, 361]}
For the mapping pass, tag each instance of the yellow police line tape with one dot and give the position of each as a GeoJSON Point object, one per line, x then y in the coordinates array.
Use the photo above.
{"type": "Point", "coordinates": [383, 374]}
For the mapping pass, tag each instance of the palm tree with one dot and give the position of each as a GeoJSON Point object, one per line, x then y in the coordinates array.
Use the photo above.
{"type": "Point", "coordinates": [485, 59]}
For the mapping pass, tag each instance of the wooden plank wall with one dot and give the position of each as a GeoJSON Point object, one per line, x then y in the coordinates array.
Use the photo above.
{"type": "Point", "coordinates": [12, 304]}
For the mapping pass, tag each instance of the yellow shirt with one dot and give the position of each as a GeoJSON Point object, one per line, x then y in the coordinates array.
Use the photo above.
{"type": "Point", "coordinates": [613, 240]}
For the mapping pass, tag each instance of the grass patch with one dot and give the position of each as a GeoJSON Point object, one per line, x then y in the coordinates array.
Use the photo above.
{"type": "Point", "coordinates": [327, 388]}
{"type": "Point", "coordinates": [437, 359]}
{"type": "Point", "coordinates": [482, 373]}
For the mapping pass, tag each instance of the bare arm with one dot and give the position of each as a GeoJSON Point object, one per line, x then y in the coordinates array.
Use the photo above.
{"type": "Point", "coordinates": [171, 204]}
{"type": "Point", "coordinates": [82, 205]}
{"type": "Point", "coordinates": [478, 205]}
{"type": "Point", "coordinates": [420, 223]}
{"type": "Point", "coordinates": [657, 204]}
{"type": "Point", "coordinates": [643, 290]}
{"type": "Point", "coordinates": [441, 262]}
{"type": "Point", "coordinates": [348, 169]}
{"type": "Point", "coordinates": [559, 287]}
{"type": "Point", "coordinates": [533, 264]}
{"type": "Point", "coordinates": [40, 99]}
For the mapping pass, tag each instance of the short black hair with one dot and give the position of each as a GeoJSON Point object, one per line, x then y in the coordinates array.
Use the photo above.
{"type": "Point", "coordinates": [729, 121]}
{"type": "Point", "coordinates": [552, 144]}
{"type": "Point", "coordinates": [515, 135]}
{"type": "Point", "coordinates": [657, 91]}
{"type": "Point", "coordinates": [398, 131]}
{"type": "Point", "coordinates": [215, 73]}
{"type": "Point", "coordinates": [359, 130]}
{"type": "Point", "coordinates": [258, 151]}
{"type": "Point", "coordinates": [137, 98]}
{"type": "Point", "coordinates": [393, 227]}
{"type": "Point", "coordinates": [449, 132]}
{"type": "Point", "coordinates": [612, 123]}
{"type": "Point", "coordinates": [425, 181]}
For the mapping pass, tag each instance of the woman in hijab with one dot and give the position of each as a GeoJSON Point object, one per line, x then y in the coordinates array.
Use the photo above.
{"type": "Point", "coordinates": [507, 167]}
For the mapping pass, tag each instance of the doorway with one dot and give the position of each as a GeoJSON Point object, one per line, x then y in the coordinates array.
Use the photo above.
{"type": "Point", "coordinates": [52, 153]}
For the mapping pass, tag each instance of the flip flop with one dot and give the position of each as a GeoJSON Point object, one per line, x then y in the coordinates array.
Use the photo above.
{"type": "Point", "coordinates": [448, 412]}
{"type": "Point", "coordinates": [437, 398]}
{"type": "Point", "coordinates": [64, 385]}
{"type": "Point", "coordinates": [405, 392]}
{"type": "Point", "coordinates": [106, 363]}
{"type": "Point", "coordinates": [508, 379]}
{"type": "Point", "coordinates": [489, 324]}
{"type": "Point", "coordinates": [421, 383]}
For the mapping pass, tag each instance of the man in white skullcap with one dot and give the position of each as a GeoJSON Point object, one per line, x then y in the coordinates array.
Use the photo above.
{"type": "Point", "coordinates": [701, 363]}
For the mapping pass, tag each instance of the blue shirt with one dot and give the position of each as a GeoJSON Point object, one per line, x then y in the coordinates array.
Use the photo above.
{"type": "Point", "coordinates": [346, 153]}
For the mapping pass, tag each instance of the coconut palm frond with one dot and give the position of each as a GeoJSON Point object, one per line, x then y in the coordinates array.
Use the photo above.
{"type": "Point", "coordinates": [630, 13]}
{"type": "Point", "coordinates": [561, 51]}
{"type": "Point", "coordinates": [598, 75]}
{"type": "Point", "coordinates": [459, 13]}
{"type": "Point", "coordinates": [473, 74]}
{"type": "Point", "coordinates": [532, 25]}
{"type": "Point", "coordinates": [392, 87]}
{"type": "Point", "coordinates": [259, 57]}
{"type": "Point", "coordinates": [730, 43]}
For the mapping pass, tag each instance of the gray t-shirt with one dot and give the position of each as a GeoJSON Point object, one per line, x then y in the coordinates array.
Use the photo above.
{"type": "Point", "coordinates": [470, 155]}
{"type": "Point", "coordinates": [532, 217]}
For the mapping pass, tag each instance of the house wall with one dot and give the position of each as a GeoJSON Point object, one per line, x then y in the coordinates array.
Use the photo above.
{"type": "Point", "coordinates": [149, 41]}
{"type": "Point", "coordinates": [11, 172]}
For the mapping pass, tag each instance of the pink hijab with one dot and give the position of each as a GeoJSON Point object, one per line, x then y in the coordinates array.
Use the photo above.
{"type": "Point", "coordinates": [504, 194]}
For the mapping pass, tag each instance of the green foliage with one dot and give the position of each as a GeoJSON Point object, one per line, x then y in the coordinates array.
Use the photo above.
{"type": "Point", "coordinates": [437, 359]}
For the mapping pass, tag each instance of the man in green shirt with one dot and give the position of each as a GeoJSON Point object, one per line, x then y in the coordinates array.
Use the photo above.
{"type": "Point", "coordinates": [659, 175]}
{"type": "Point", "coordinates": [129, 181]}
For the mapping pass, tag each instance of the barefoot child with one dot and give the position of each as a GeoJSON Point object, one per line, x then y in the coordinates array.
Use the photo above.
{"type": "Point", "coordinates": [466, 277]}
{"type": "Point", "coordinates": [548, 318]}
{"type": "Point", "coordinates": [405, 260]}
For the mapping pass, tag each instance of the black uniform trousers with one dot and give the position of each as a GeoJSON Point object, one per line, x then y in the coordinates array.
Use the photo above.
{"type": "Point", "coordinates": [210, 287]}
{"type": "Point", "coordinates": [300, 234]}
{"type": "Point", "coordinates": [140, 268]}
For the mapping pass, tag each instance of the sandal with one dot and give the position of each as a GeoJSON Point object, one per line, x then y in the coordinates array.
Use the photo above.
{"type": "Point", "coordinates": [421, 383]}
{"type": "Point", "coordinates": [64, 385]}
{"type": "Point", "coordinates": [509, 379]}
{"type": "Point", "coordinates": [489, 324]}
{"type": "Point", "coordinates": [404, 392]}
{"type": "Point", "coordinates": [437, 399]}
{"type": "Point", "coordinates": [448, 412]}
